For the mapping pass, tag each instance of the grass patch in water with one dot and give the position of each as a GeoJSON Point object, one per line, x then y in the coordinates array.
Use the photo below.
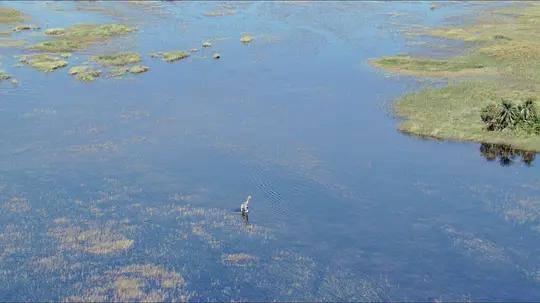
{"type": "Point", "coordinates": [85, 73]}
{"type": "Point", "coordinates": [246, 39]}
{"type": "Point", "coordinates": [137, 69]}
{"type": "Point", "coordinates": [503, 64]}
{"type": "Point", "coordinates": [25, 27]}
{"type": "Point", "coordinates": [139, 282]}
{"type": "Point", "coordinates": [118, 59]}
{"type": "Point", "coordinates": [4, 75]}
{"type": "Point", "coordinates": [99, 240]}
{"type": "Point", "coordinates": [171, 56]}
{"type": "Point", "coordinates": [81, 36]}
{"type": "Point", "coordinates": [55, 31]}
{"type": "Point", "coordinates": [43, 62]}
{"type": "Point", "coordinates": [10, 15]}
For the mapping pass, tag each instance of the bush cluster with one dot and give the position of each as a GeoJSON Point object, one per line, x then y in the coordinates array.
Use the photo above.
{"type": "Point", "coordinates": [510, 115]}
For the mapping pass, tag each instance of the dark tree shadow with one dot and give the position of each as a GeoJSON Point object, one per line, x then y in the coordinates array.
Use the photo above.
{"type": "Point", "coordinates": [505, 154]}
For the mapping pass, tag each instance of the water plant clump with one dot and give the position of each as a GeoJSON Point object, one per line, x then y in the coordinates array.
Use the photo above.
{"type": "Point", "coordinates": [4, 75]}
{"type": "Point", "coordinates": [171, 56]}
{"type": "Point", "coordinates": [43, 62]}
{"type": "Point", "coordinates": [81, 36]}
{"type": "Point", "coordinates": [137, 69]}
{"type": "Point", "coordinates": [85, 73]}
{"type": "Point", "coordinates": [55, 31]}
{"type": "Point", "coordinates": [118, 59]}
{"type": "Point", "coordinates": [10, 15]}
{"type": "Point", "coordinates": [25, 27]}
{"type": "Point", "coordinates": [509, 115]}
{"type": "Point", "coordinates": [246, 39]}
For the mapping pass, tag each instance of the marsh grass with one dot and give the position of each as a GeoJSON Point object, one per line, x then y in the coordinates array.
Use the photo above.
{"type": "Point", "coordinates": [85, 73]}
{"type": "Point", "coordinates": [10, 15]}
{"type": "Point", "coordinates": [171, 56]}
{"type": "Point", "coordinates": [118, 59]}
{"type": "Point", "coordinates": [503, 64]}
{"type": "Point", "coordinates": [43, 62]}
{"type": "Point", "coordinates": [4, 75]}
{"type": "Point", "coordinates": [81, 36]}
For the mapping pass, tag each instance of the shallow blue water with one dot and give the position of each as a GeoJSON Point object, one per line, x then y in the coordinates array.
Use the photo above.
{"type": "Point", "coordinates": [344, 206]}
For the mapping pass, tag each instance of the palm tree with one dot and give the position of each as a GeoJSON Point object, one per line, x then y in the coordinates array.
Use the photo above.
{"type": "Point", "coordinates": [527, 111]}
{"type": "Point", "coordinates": [508, 115]}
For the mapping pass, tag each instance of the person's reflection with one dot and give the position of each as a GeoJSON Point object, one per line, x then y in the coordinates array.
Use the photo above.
{"type": "Point", "coordinates": [245, 218]}
{"type": "Point", "coordinates": [506, 154]}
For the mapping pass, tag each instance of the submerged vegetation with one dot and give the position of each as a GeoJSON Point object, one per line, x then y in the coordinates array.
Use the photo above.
{"type": "Point", "coordinates": [504, 63]}
{"type": "Point", "coordinates": [81, 36]}
{"type": "Point", "coordinates": [43, 62]}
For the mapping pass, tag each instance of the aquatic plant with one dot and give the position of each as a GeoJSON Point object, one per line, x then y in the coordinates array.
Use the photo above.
{"type": "Point", "coordinates": [85, 73]}
{"type": "Point", "coordinates": [24, 27]}
{"type": "Point", "coordinates": [137, 69]}
{"type": "Point", "coordinates": [43, 62]}
{"type": "Point", "coordinates": [118, 59]}
{"type": "Point", "coordinates": [81, 36]}
{"type": "Point", "coordinates": [4, 75]}
{"type": "Point", "coordinates": [246, 39]}
{"type": "Point", "coordinates": [55, 31]}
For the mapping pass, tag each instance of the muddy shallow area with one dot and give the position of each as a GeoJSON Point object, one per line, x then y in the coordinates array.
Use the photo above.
{"type": "Point", "coordinates": [127, 187]}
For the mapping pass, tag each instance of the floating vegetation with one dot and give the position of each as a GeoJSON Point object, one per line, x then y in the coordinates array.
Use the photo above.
{"type": "Point", "coordinates": [43, 62]}
{"type": "Point", "coordinates": [85, 73]}
{"type": "Point", "coordinates": [139, 282]}
{"type": "Point", "coordinates": [17, 205]}
{"type": "Point", "coordinates": [118, 59]}
{"type": "Point", "coordinates": [25, 27]}
{"type": "Point", "coordinates": [238, 259]}
{"type": "Point", "coordinates": [137, 69]}
{"type": "Point", "coordinates": [246, 39]}
{"type": "Point", "coordinates": [506, 154]}
{"type": "Point", "coordinates": [171, 56]}
{"type": "Point", "coordinates": [98, 240]}
{"type": "Point", "coordinates": [55, 31]}
{"type": "Point", "coordinates": [10, 15]}
{"type": "Point", "coordinates": [4, 75]}
{"type": "Point", "coordinates": [81, 36]}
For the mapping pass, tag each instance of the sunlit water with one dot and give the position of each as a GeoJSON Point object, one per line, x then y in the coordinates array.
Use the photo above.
{"type": "Point", "coordinates": [344, 206]}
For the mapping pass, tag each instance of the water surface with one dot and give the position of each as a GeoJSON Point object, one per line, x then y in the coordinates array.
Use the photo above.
{"type": "Point", "coordinates": [344, 206]}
